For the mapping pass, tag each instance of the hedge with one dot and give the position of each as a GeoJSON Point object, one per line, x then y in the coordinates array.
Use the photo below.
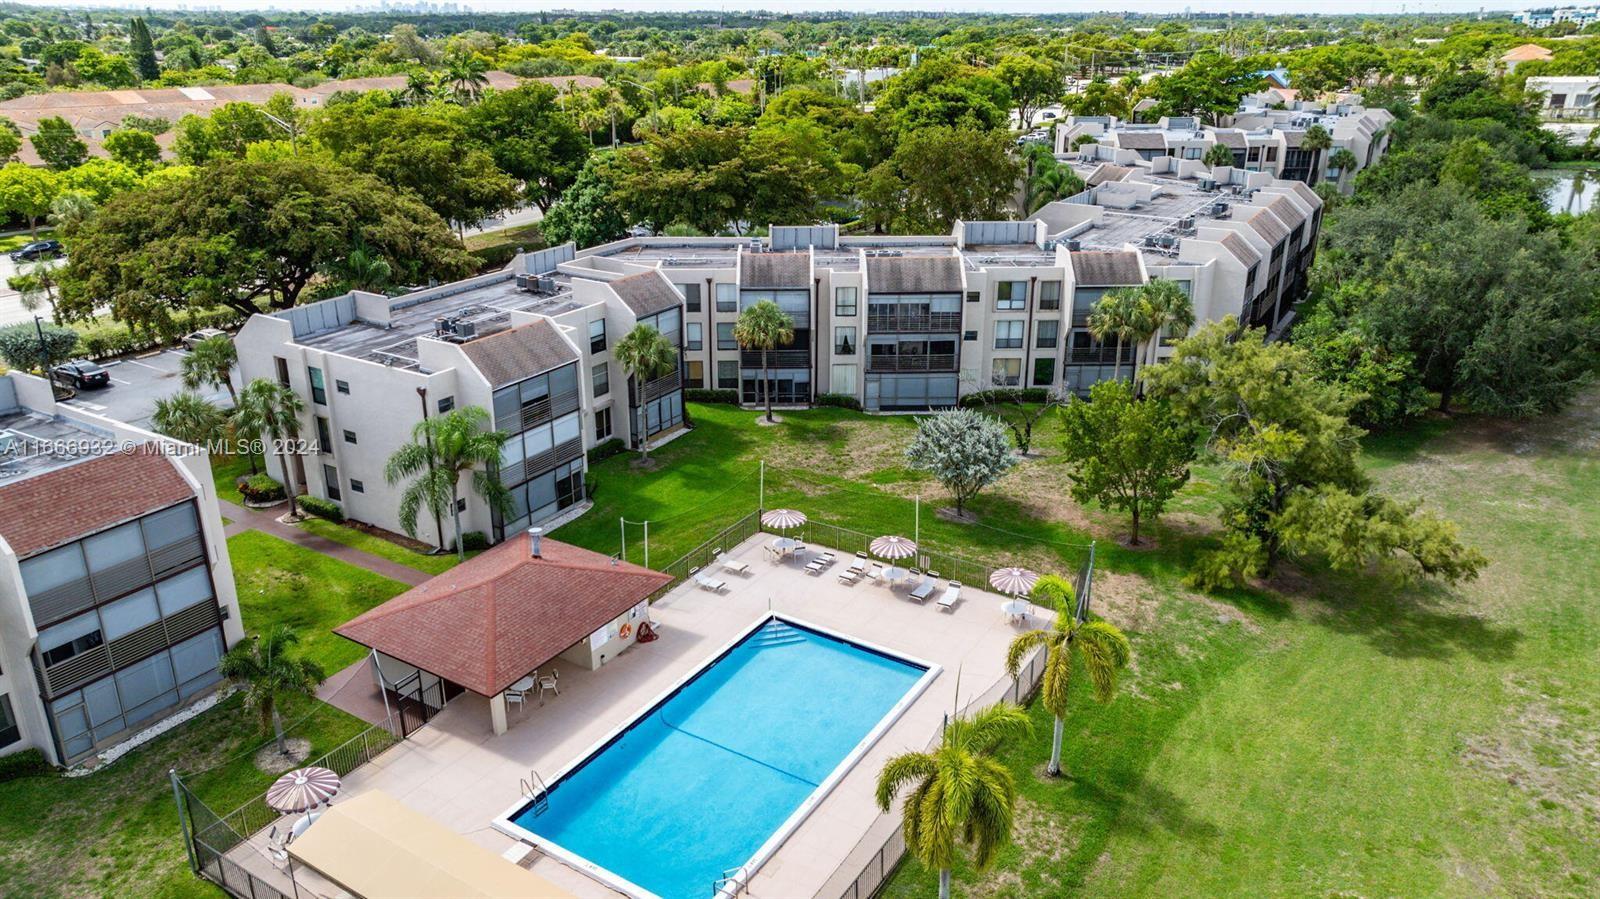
{"type": "Point", "coordinates": [474, 541]}
{"type": "Point", "coordinates": [1006, 395]}
{"type": "Point", "coordinates": [702, 395]}
{"type": "Point", "coordinates": [322, 508]}
{"type": "Point", "coordinates": [606, 449]}
{"type": "Point", "coordinates": [842, 400]}
{"type": "Point", "coordinates": [105, 337]}
{"type": "Point", "coordinates": [260, 488]}
{"type": "Point", "coordinates": [27, 763]}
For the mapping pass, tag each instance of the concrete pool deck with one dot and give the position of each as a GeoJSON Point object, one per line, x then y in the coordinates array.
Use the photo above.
{"type": "Point", "coordinates": [461, 775]}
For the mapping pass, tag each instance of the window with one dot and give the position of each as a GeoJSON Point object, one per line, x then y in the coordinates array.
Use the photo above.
{"type": "Point", "coordinates": [349, 436]}
{"type": "Point", "coordinates": [725, 339]}
{"type": "Point", "coordinates": [693, 337]}
{"type": "Point", "coordinates": [974, 296]}
{"type": "Point", "coordinates": [357, 487]}
{"type": "Point", "coordinates": [446, 404]}
{"type": "Point", "coordinates": [691, 296]}
{"type": "Point", "coordinates": [1011, 295]}
{"type": "Point", "coordinates": [1007, 372]}
{"type": "Point", "coordinates": [1044, 372]}
{"type": "Point", "coordinates": [67, 639]}
{"type": "Point", "coordinates": [9, 732]}
{"type": "Point", "coordinates": [1255, 154]}
{"type": "Point", "coordinates": [319, 391]}
{"type": "Point", "coordinates": [728, 375]}
{"type": "Point", "coordinates": [844, 301]}
{"type": "Point", "coordinates": [1049, 294]}
{"type": "Point", "coordinates": [969, 335]}
{"type": "Point", "coordinates": [282, 366]}
{"type": "Point", "coordinates": [1045, 336]}
{"type": "Point", "coordinates": [843, 380]}
{"type": "Point", "coordinates": [330, 480]}
{"type": "Point", "coordinates": [602, 424]}
{"type": "Point", "coordinates": [1008, 335]}
{"type": "Point", "coordinates": [342, 386]}
{"type": "Point", "coordinates": [602, 379]}
{"type": "Point", "coordinates": [694, 374]}
{"type": "Point", "coordinates": [1272, 154]}
{"type": "Point", "coordinates": [324, 436]}
{"type": "Point", "coordinates": [844, 341]}
{"type": "Point", "coordinates": [727, 297]}
{"type": "Point", "coordinates": [597, 336]}
{"type": "Point", "coordinates": [461, 505]}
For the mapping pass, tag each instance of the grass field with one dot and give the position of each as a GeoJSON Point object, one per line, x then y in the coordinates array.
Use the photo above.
{"type": "Point", "coordinates": [115, 832]}
{"type": "Point", "coordinates": [372, 543]}
{"type": "Point", "coordinates": [1319, 735]}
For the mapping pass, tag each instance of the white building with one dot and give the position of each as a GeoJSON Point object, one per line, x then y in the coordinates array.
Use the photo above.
{"type": "Point", "coordinates": [116, 591]}
{"type": "Point", "coordinates": [1566, 95]}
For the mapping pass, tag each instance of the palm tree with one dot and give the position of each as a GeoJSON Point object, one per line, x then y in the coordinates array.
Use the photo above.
{"type": "Point", "coordinates": [442, 449]}
{"type": "Point", "coordinates": [1217, 155]}
{"type": "Point", "coordinates": [763, 326]}
{"type": "Point", "coordinates": [418, 90]}
{"type": "Point", "coordinates": [959, 792]}
{"type": "Point", "coordinates": [271, 410]}
{"type": "Point", "coordinates": [645, 354]}
{"type": "Point", "coordinates": [209, 364]}
{"type": "Point", "coordinates": [1099, 646]}
{"type": "Point", "coordinates": [189, 417]}
{"type": "Point", "coordinates": [1164, 308]}
{"type": "Point", "coordinates": [264, 666]}
{"type": "Point", "coordinates": [1316, 140]}
{"type": "Point", "coordinates": [1344, 161]}
{"type": "Point", "coordinates": [362, 269]}
{"type": "Point", "coordinates": [1116, 314]}
{"type": "Point", "coordinates": [467, 76]}
{"type": "Point", "coordinates": [38, 284]}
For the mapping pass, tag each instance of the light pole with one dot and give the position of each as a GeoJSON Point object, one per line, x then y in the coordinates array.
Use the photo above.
{"type": "Point", "coordinates": [294, 147]}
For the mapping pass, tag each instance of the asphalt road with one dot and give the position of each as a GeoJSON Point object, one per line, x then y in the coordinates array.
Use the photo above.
{"type": "Point", "coordinates": [136, 384]}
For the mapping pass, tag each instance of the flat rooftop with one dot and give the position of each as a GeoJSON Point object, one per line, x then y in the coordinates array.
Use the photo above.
{"type": "Point", "coordinates": [32, 443]}
{"type": "Point", "coordinates": [1180, 198]}
{"type": "Point", "coordinates": [488, 306]}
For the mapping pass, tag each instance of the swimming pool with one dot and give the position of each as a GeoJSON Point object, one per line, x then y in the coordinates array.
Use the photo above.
{"type": "Point", "coordinates": [718, 772]}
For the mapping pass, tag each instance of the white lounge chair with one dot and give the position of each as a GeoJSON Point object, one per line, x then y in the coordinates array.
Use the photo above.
{"type": "Point", "coordinates": [849, 576]}
{"type": "Point", "coordinates": [858, 567]}
{"type": "Point", "coordinates": [923, 590]}
{"type": "Point", "coordinates": [707, 582]}
{"type": "Point", "coordinates": [952, 595]}
{"type": "Point", "coordinates": [734, 566]}
{"type": "Point", "coordinates": [816, 566]}
{"type": "Point", "coordinates": [875, 573]}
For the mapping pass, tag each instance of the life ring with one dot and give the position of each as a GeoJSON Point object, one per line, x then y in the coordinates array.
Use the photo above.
{"type": "Point", "coordinates": [627, 629]}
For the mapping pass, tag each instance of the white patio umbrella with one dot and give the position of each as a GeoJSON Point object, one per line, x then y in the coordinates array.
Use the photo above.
{"type": "Point", "coordinates": [1014, 581]}
{"type": "Point", "coordinates": [303, 789]}
{"type": "Point", "coordinates": [893, 548]}
{"type": "Point", "coordinates": [783, 519]}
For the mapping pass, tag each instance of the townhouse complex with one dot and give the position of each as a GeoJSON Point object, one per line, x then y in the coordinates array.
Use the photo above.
{"type": "Point", "coordinates": [116, 592]}
{"type": "Point", "coordinates": [902, 323]}
{"type": "Point", "coordinates": [1261, 136]}
{"type": "Point", "coordinates": [1566, 95]}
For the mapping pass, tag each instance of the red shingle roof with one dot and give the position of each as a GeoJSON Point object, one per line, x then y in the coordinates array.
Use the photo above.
{"type": "Point", "coordinates": [493, 619]}
{"type": "Point", "coordinates": [54, 507]}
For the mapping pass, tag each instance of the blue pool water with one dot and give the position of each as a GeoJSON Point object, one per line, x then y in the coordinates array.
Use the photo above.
{"type": "Point", "coordinates": [697, 784]}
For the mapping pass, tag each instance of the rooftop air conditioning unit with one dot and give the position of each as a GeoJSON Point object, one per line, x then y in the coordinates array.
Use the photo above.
{"type": "Point", "coordinates": [1208, 184]}
{"type": "Point", "coordinates": [1186, 224]}
{"type": "Point", "coordinates": [547, 285]}
{"type": "Point", "coordinates": [443, 326]}
{"type": "Point", "coordinates": [525, 282]}
{"type": "Point", "coordinates": [1218, 210]}
{"type": "Point", "coordinates": [1073, 245]}
{"type": "Point", "coordinates": [466, 330]}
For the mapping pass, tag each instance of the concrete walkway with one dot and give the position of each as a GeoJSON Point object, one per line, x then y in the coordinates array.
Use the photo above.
{"type": "Point", "coordinates": [267, 521]}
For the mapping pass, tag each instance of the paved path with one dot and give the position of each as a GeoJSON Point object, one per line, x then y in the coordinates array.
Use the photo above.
{"type": "Point", "coordinates": [267, 521]}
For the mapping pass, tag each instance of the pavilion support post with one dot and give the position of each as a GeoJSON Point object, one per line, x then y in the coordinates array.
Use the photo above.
{"type": "Point", "coordinates": [497, 713]}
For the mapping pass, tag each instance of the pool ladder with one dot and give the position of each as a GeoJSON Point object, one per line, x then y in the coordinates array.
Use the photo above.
{"type": "Point", "coordinates": [732, 882]}
{"type": "Point", "coordinates": [533, 787]}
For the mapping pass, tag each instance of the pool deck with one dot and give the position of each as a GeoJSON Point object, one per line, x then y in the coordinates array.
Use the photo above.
{"type": "Point", "coordinates": [458, 773]}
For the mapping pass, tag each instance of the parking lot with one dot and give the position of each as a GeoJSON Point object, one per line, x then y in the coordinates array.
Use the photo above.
{"type": "Point", "coordinates": [136, 384]}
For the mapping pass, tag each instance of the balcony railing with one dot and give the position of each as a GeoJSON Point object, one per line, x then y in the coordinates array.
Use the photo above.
{"type": "Point", "coordinates": [926, 362]}
{"type": "Point", "coordinates": [776, 359]}
{"type": "Point", "coordinates": [914, 322]}
{"type": "Point", "coordinates": [1106, 355]}
{"type": "Point", "coordinates": [662, 386]}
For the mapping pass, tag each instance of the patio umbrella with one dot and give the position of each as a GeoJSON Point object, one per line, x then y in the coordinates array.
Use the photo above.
{"type": "Point", "coordinates": [783, 519]}
{"type": "Point", "coordinates": [302, 789]}
{"type": "Point", "coordinates": [893, 548]}
{"type": "Point", "coordinates": [1013, 581]}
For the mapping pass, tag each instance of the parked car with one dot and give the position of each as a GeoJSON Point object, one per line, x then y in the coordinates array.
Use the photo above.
{"type": "Point", "coordinates": [39, 249]}
{"type": "Point", "coordinates": [190, 340]}
{"type": "Point", "coordinates": [82, 374]}
{"type": "Point", "coordinates": [1047, 114]}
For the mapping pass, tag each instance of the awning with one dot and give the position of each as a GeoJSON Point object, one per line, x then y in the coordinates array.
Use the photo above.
{"type": "Point", "coordinates": [377, 848]}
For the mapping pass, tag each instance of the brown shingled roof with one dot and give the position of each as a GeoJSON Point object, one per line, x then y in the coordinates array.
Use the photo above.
{"type": "Point", "coordinates": [1286, 210]}
{"type": "Point", "coordinates": [646, 293]}
{"type": "Point", "coordinates": [1141, 140]}
{"type": "Point", "coordinates": [1106, 268]}
{"type": "Point", "coordinates": [914, 274]}
{"type": "Point", "coordinates": [493, 619]}
{"type": "Point", "coordinates": [519, 353]}
{"type": "Point", "coordinates": [57, 506]}
{"type": "Point", "coordinates": [1240, 248]}
{"type": "Point", "coordinates": [775, 269]}
{"type": "Point", "coordinates": [1267, 225]}
{"type": "Point", "coordinates": [1106, 172]}
{"type": "Point", "coordinates": [1230, 138]}
{"type": "Point", "coordinates": [1526, 53]}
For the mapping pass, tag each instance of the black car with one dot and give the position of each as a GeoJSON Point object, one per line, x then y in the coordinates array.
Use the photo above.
{"type": "Point", "coordinates": [39, 249]}
{"type": "Point", "coordinates": [81, 373]}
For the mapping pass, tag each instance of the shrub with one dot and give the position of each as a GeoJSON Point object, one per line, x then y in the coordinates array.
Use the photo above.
{"type": "Point", "coordinates": [322, 508]}
{"type": "Point", "coordinates": [260, 488]}
{"type": "Point", "coordinates": [27, 763]}
{"type": "Point", "coordinates": [606, 450]}
{"type": "Point", "coordinates": [19, 344]}
{"type": "Point", "coordinates": [474, 541]}
{"type": "Point", "coordinates": [104, 337]}
{"type": "Point", "coordinates": [702, 395]}
{"type": "Point", "coordinates": [494, 258]}
{"type": "Point", "coordinates": [842, 400]}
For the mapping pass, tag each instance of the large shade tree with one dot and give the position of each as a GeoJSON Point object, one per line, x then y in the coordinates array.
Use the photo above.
{"type": "Point", "coordinates": [442, 451]}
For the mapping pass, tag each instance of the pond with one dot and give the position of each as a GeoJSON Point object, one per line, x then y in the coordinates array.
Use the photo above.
{"type": "Point", "coordinates": [1571, 190]}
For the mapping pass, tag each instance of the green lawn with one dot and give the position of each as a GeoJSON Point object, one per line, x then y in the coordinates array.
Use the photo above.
{"type": "Point", "coordinates": [1330, 736]}
{"type": "Point", "coordinates": [378, 546]}
{"type": "Point", "coordinates": [115, 833]}
{"type": "Point", "coordinates": [225, 470]}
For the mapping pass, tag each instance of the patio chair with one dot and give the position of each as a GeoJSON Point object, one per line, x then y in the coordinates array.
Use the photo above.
{"type": "Point", "coordinates": [923, 590]}
{"type": "Point", "coordinates": [875, 573]}
{"type": "Point", "coordinates": [816, 566]}
{"type": "Point", "coordinates": [278, 846]}
{"type": "Point", "coordinates": [551, 682]}
{"type": "Point", "coordinates": [516, 697]}
{"type": "Point", "coordinates": [952, 595]}
{"type": "Point", "coordinates": [858, 567]}
{"type": "Point", "coordinates": [706, 582]}
{"type": "Point", "coordinates": [849, 576]}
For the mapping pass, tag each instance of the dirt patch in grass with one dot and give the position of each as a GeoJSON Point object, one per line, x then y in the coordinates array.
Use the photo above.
{"type": "Point", "coordinates": [270, 760]}
{"type": "Point", "coordinates": [1547, 746]}
{"type": "Point", "coordinates": [1045, 840]}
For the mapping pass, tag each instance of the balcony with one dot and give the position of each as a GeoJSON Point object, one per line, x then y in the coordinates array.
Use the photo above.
{"type": "Point", "coordinates": [920, 362]}
{"type": "Point", "coordinates": [785, 358]}
{"type": "Point", "coordinates": [662, 386]}
{"type": "Point", "coordinates": [1105, 355]}
{"type": "Point", "coordinates": [913, 322]}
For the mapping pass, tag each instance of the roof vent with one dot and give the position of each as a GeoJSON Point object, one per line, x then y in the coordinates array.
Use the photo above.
{"type": "Point", "coordinates": [535, 536]}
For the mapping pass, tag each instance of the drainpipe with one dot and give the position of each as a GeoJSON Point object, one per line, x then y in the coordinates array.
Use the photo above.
{"type": "Point", "coordinates": [438, 526]}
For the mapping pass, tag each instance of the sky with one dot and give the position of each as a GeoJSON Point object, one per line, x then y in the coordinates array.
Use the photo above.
{"type": "Point", "coordinates": [996, 6]}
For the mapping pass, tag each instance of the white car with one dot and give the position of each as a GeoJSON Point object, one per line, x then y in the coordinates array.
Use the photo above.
{"type": "Point", "coordinates": [191, 340]}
